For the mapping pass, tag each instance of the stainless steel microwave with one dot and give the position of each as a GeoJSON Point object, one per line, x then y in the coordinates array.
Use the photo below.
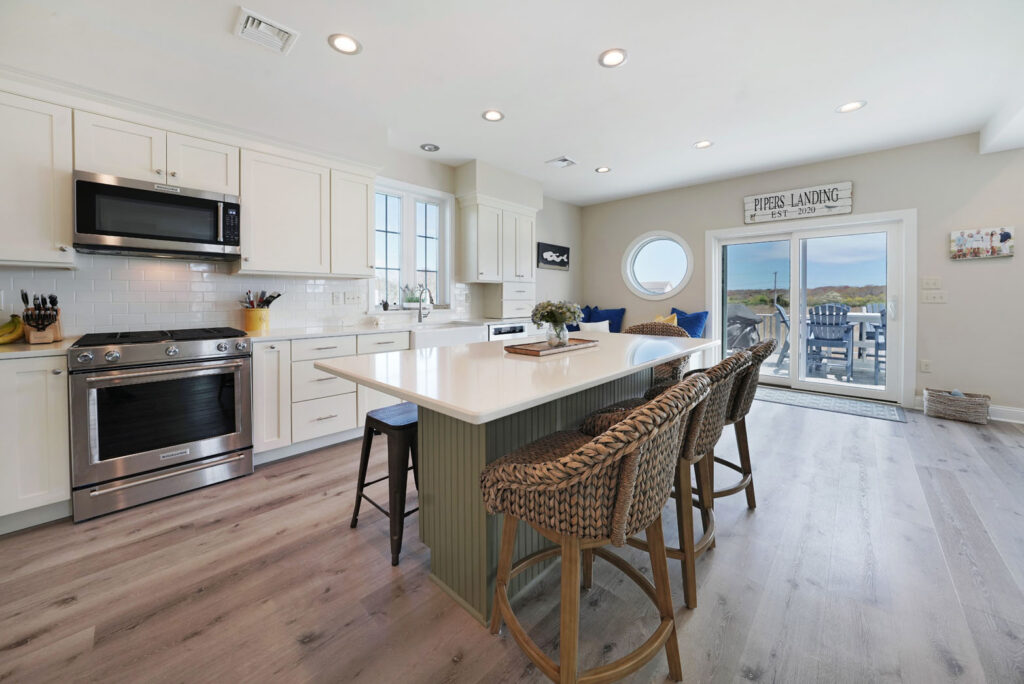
{"type": "Point", "coordinates": [123, 216]}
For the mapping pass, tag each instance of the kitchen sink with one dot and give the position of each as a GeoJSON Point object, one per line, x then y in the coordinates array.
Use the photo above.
{"type": "Point", "coordinates": [446, 334]}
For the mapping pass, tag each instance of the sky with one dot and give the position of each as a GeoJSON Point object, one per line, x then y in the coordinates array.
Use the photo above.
{"type": "Point", "coordinates": [854, 260]}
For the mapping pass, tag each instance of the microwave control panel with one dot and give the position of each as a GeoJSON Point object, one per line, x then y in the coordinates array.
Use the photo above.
{"type": "Point", "coordinates": [232, 231]}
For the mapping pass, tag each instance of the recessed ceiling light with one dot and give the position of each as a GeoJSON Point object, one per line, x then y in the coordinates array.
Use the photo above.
{"type": "Point", "coordinates": [612, 58]}
{"type": "Point", "coordinates": [429, 147]}
{"type": "Point", "coordinates": [851, 106]}
{"type": "Point", "coordinates": [603, 169]}
{"type": "Point", "coordinates": [346, 45]}
{"type": "Point", "coordinates": [493, 115]}
{"type": "Point", "coordinates": [703, 144]}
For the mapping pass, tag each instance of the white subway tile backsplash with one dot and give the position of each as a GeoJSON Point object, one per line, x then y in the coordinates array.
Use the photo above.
{"type": "Point", "coordinates": [111, 293]}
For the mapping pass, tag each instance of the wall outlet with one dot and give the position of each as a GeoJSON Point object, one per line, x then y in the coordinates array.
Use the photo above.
{"type": "Point", "coordinates": [934, 297]}
{"type": "Point", "coordinates": [926, 365]}
{"type": "Point", "coordinates": [931, 283]}
{"type": "Point", "coordinates": [352, 297]}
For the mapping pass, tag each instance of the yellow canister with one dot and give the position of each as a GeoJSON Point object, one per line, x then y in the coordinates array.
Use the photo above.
{"type": "Point", "coordinates": [257, 320]}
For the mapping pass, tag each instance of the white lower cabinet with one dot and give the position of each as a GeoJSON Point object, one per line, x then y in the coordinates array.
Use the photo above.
{"type": "Point", "coordinates": [271, 395]}
{"type": "Point", "coordinates": [322, 417]}
{"type": "Point", "coordinates": [35, 470]}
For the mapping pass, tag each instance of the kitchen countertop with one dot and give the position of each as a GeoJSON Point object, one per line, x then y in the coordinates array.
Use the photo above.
{"type": "Point", "coordinates": [23, 350]}
{"type": "Point", "coordinates": [481, 382]}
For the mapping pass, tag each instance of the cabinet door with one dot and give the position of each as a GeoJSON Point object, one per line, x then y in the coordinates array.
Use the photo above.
{"type": "Point", "coordinates": [35, 465]}
{"type": "Point", "coordinates": [120, 148]}
{"type": "Point", "coordinates": [525, 248]}
{"type": "Point", "coordinates": [352, 247]}
{"type": "Point", "coordinates": [488, 244]}
{"type": "Point", "coordinates": [271, 395]}
{"type": "Point", "coordinates": [35, 182]}
{"type": "Point", "coordinates": [202, 164]}
{"type": "Point", "coordinates": [286, 221]}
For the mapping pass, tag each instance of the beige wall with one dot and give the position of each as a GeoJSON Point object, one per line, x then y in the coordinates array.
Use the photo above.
{"type": "Point", "coordinates": [972, 341]}
{"type": "Point", "coordinates": [560, 223]}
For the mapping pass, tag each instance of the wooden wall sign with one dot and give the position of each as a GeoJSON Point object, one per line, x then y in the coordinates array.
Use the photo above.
{"type": "Point", "coordinates": [820, 200]}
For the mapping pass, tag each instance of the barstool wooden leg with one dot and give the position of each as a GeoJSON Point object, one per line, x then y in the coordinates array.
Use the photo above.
{"type": "Point", "coordinates": [684, 518]}
{"type": "Point", "coordinates": [705, 492]}
{"type": "Point", "coordinates": [741, 442]}
{"type": "Point", "coordinates": [659, 569]}
{"type": "Point", "coordinates": [508, 544]}
{"type": "Point", "coordinates": [398, 477]}
{"type": "Point", "coordinates": [364, 460]}
{"type": "Point", "coordinates": [588, 568]}
{"type": "Point", "coordinates": [569, 634]}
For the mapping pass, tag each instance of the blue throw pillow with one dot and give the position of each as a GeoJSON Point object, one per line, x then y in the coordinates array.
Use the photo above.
{"type": "Point", "coordinates": [613, 316]}
{"type": "Point", "coordinates": [693, 323]}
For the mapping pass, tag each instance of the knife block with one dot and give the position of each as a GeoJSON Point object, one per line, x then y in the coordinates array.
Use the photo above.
{"type": "Point", "coordinates": [51, 333]}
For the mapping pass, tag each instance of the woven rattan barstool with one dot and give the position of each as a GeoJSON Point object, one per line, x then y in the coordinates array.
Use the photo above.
{"type": "Point", "coordinates": [583, 494]}
{"type": "Point", "coordinates": [672, 371]}
{"type": "Point", "coordinates": [743, 398]}
{"type": "Point", "coordinates": [697, 451]}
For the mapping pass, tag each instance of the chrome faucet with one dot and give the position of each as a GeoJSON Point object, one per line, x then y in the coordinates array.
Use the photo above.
{"type": "Point", "coordinates": [419, 297]}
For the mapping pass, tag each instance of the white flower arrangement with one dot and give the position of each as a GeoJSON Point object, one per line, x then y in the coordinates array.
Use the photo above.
{"type": "Point", "coordinates": [556, 313]}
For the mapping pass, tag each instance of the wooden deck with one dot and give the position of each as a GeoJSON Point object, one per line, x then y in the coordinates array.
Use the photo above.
{"type": "Point", "coordinates": [880, 552]}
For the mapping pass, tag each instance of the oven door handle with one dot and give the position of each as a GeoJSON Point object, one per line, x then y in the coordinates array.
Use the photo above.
{"type": "Point", "coordinates": [162, 371]}
{"type": "Point", "coordinates": [97, 491]}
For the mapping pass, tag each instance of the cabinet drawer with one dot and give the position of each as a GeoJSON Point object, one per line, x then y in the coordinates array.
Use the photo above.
{"type": "Point", "coordinates": [511, 308]}
{"type": "Point", "coordinates": [519, 291]}
{"type": "Point", "coordinates": [320, 417]}
{"type": "Point", "coordinates": [323, 348]}
{"type": "Point", "coordinates": [382, 342]}
{"type": "Point", "coordinates": [310, 383]}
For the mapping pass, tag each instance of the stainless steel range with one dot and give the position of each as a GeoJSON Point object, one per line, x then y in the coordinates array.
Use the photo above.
{"type": "Point", "coordinates": [156, 413]}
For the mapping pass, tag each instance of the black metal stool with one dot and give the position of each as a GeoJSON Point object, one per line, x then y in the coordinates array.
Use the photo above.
{"type": "Point", "coordinates": [398, 424]}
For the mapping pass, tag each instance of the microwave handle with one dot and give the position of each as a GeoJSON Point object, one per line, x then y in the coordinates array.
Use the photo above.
{"type": "Point", "coordinates": [220, 222]}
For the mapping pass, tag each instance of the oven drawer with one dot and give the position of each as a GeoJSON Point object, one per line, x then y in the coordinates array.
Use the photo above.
{"type": "Point", "coordinates": [382, 342]}
{"type": "Point", "coordinates": [310, 383]}
{"type": "Point", "coordinates": [320, 417]}
{"type": "Point", "coordinates": [323, 348]}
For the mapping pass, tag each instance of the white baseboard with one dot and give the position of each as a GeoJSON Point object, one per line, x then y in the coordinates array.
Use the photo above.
{"type": "Point", "coordinates": [265, 457]}
{"type": "Point", "coordinates": [1006, 414]}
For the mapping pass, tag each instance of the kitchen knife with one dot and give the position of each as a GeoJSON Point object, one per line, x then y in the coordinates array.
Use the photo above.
{"type": "Point", "coordinates": [24, 298]}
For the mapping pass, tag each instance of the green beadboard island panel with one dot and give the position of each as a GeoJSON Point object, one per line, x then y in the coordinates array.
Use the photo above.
{"type": "Point", "coordinates": [463, 539]}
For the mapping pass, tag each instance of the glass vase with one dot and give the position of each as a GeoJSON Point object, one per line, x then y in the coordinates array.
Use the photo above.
{"type": "Point", "coordinates": [558, 335]}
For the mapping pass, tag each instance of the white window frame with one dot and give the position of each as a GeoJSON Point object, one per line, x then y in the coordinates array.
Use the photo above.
{"type": "Point", "coordinates": [629, 256]}
{"type": "Point", "coordinates": [409, 195]}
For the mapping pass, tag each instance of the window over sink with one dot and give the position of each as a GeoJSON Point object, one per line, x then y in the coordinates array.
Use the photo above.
{"type": "Point", "coordinates": [412, 233]}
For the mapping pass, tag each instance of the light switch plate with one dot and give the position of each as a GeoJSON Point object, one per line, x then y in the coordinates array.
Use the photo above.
{"type": "Point", "coordinates": [934, 297]}
{"type": "Point", "coordinates": [931, 283]}
{"type": "Point", "coordinates": [352, 297]}
{"type": "Point", "coordinates": [926, 365]}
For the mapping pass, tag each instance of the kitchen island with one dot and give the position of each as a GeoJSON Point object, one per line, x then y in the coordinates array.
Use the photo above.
{"type": "Point", "coordinates": [476, 403]}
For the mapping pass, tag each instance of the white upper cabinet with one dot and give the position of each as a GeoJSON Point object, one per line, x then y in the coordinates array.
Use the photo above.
{"type": "Point", "coordinates": [202, 164]}
{"type": "Point", "coordinates": [352, 246]}
{"type": "Point", "coordinates": [119, 148]}
{"type": "Point", "coordinates": [35, 467]}
{"type": "Point", "coordinates": [35, 182]}
{"type": "Point", "coordinates": [286, 217]}
{"type": "Point", "coordinates": [518, 242]}
{"type": "Point", "coordinates": [480, 243]}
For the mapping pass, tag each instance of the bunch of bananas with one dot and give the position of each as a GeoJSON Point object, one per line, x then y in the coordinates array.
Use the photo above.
{"type": "Point", "coordinates": [12, 331]}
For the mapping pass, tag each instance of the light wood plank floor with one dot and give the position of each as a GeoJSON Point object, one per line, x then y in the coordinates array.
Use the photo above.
{"type": "Point", "coordinates": [880, 552]}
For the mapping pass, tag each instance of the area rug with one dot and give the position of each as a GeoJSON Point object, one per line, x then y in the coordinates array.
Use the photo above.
{"type": "Point", "coordinates": [826, 402]}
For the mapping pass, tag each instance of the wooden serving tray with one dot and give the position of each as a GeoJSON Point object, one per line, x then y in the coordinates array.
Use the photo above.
{"type": "Point", "coordinates": [542, 348]}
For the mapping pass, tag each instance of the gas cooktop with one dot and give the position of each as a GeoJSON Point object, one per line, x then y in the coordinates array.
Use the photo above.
{"type": "Point", "coordinates": [153, 336]}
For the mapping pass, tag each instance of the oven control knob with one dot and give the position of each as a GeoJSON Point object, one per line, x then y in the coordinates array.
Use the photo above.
{"type": "Point", "coordinates": [85, 357]}
{"type": "Point", "coordinates": [241, 346]}
{"type": "Point", "coordinates": [222, 347]}
{"type": "Point", "coordinates": [112, 356]}
{"type": "Point", "coordinates": [171, 351]}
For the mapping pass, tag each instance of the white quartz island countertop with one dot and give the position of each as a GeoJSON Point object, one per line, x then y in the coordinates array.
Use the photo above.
{"type": "Point", "coordinates": [481, 382]}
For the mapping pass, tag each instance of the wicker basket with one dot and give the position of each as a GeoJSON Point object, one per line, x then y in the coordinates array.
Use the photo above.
{"type": "Point", "coordinates": [970, 408]}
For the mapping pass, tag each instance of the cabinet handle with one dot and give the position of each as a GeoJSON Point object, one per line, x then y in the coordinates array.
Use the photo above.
{"type": "Point", "coordinates": [245, 258]}
{"type": "Point", "coordinates": [174, 174]}
{"type": "Point", "coordinates": [332, 377]}
{"type": "Point", "coordinates": [385, 342]}
{"type": "Point", "coordinates": [333, 415]}
{"type": "Point", "coordinates": [273, 346]}
{"type": "Point", "coordinates": [63, 248]}
{"type": "Point", "coordinates": [324, 348]}
{"type": "Point", "coordinates": [159, 172]}
{"type": "Point", "coordinates": [57, 371]}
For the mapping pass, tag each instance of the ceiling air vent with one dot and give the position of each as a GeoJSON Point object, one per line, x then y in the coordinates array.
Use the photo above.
{"type": "Point", "coordinates": [269, 34]}
{"type": "Point", "coordinates": [561, 162]}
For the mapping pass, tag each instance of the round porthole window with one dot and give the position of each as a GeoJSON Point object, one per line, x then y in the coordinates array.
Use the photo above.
{"type": "Point", "coordinates": [657, 265]}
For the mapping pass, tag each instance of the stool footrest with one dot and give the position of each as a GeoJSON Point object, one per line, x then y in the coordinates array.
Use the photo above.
{"type": "Point", "coordinates": [384, 510]}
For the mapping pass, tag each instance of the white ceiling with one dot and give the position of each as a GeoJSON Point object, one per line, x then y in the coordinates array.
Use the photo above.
{"type": "Point", "coordinates": [761, 79]}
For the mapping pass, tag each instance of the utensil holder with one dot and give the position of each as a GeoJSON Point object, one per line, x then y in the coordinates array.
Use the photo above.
{"type": "Point", "coordinates": [52, 333]}
{"type": "Point", "coordinates": [256, 320]}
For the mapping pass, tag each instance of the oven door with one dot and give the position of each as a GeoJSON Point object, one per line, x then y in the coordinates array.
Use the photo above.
{"type": "Point", "coordinates": [123, 215]}
{"type": "Point", "coordinates": [135, 420]}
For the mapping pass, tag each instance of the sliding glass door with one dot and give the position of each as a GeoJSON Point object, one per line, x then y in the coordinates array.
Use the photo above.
{"type": "Point", "coordinates": [826, 297]}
